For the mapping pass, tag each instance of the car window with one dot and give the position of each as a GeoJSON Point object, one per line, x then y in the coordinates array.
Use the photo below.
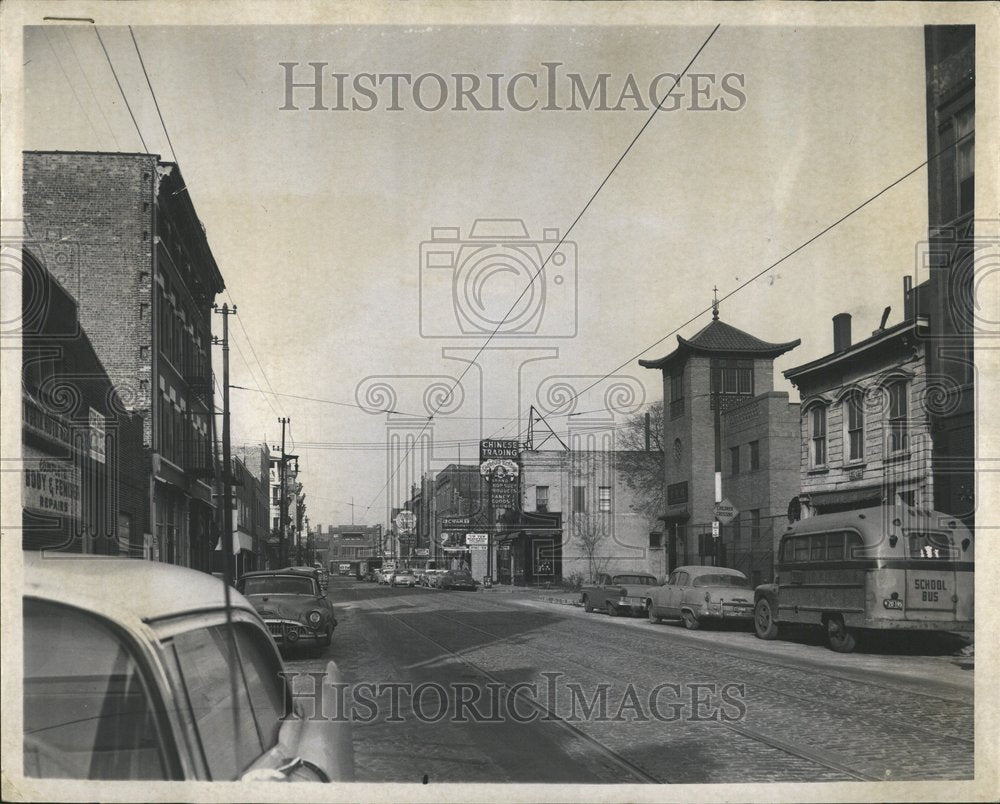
{"type": "Point", "coordinates": [278, 585]}
{"type": "Point", "coordinates": [218, 699]}
{"type": "Point", "coordinates": [87, 711]}
{"type": "Point", "coordinates": [262, 670]}
{"type": "Point", "coordinates": [672, 580]}
{"type": "Point", "coordinates": [637, 580]}
{"type": "Point", "coordinates": [734, 581]}
{"type": "Point", "coordinates": [682, 579]}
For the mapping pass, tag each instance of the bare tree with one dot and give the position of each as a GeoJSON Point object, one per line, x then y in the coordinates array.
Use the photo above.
{"type": "Point", "coordinates": [591, 532]}
{"type": "Point", "coordinates": [642, 469]}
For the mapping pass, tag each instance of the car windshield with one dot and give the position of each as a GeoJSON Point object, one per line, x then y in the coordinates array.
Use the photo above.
{"type": "Point", "coordinates": [737, 581]}
{"type": "Point", "coordinates": [638, 580]}
{"type": "Point", "coordinates": [278, 585]}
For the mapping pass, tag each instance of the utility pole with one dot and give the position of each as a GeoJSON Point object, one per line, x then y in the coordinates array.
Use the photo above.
{"type": "Point", "coordinates": [228, 569]}
{"type": "Point", "coordinates": [716, 380]}
{"type": "Point", "coordinates": [283, 501]}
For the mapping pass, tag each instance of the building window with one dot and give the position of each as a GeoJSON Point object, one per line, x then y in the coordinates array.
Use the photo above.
{"type": "Point", "coordinates": [965, 158]}
{"type": "Point", "coordinates": [579, 499]}
{"type": "Point", "coordinates": [734, 460]}
{"type": "Point", "coordinates": [754, 455]}
{"type": "Point", "coordinates": [817, 436]}
{"type": "Point", "coordinates": [899, 439]}
{"type": "Point", "coordinates": [733, 377]}
{"type": "Point", "coordinates": [542, 498]}
{"type": "Point", "coordinates": [854, 416]}
{"type": "Point", "coordinates": [676, 395]}
{"type": "Point", "coordinates": [604, 498]}
{"type": "Point", "coordinates": [754, 524]}
{"type": "Point", "coordinates": [736, 531]}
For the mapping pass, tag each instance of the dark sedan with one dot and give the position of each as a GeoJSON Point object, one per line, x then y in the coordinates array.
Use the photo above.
{"type": "Point", "coordinates": [457, 579]}
{"type": "Point", "coordinates": [292, 604]}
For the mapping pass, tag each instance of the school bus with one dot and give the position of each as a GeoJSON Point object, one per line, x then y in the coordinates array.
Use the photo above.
{"type": "Point", "coordinates": [877, 569]}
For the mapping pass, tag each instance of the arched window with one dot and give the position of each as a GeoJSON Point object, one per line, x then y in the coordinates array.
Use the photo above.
{"type": "Point", "coordinates": [899, 410]}
{"type": "Point", "coordinates": [854, 426]}
{"type": "Point", "coordinates": [817, 435]}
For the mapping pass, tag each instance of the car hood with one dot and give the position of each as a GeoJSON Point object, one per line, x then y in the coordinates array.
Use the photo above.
{"type": "Point", "coordinates": [285, 607]}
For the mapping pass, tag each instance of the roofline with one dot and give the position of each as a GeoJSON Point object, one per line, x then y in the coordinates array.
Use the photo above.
{"type": "Point", "coordinates": [686, 346]}
{"type": "Point", "coordinates": [853, 351]}
{"type": "Point", "coordinates": [157, 157]}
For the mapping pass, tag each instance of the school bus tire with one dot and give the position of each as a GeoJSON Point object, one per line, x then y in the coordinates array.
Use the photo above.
{"type": "Point", "coordinates": [764, 623]}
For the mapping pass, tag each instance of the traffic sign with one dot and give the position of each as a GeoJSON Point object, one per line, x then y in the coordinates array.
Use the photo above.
{"type": "Point", "coordinates": [725, 512]}
{"type": "Point", "coordinates": [477, 539]}
{"type": "Point", "coordinates": [716, 529]}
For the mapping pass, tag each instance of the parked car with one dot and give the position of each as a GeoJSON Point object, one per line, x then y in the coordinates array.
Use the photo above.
{"type": "Point", "coordinates": [133, 670]}
{"type": "Point", "coordinates": [431, 578]}
{"type": "Point", "coordinates": [457, 579]}
{"type": "Point", "coordinates": [625, 593]}
{"type": "Point", "coordinates": [404, 578]}
{"type": "Point", "coordinates": [292, 604]}
{"type": "Point", "coordinates": [385, 575]}
{"type": "Point", "coordinates": [695, 594]}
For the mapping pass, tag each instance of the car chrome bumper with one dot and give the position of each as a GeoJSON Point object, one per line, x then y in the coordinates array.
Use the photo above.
{"type": "Point", "coordinates": [288, 631]}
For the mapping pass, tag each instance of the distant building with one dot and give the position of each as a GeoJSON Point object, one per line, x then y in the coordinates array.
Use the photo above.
{"type": "Point", "coordinates": [287, 538]}
{"type": "Point", "coordinates": [84, 485]}
{"type": "Point", "coordinates": [251, 489]}
{"type": "Point", "coordinates": [758, 435]}
{"type": "Point", "coordinates": [578, 518]}
{"type": "Point", "coordinates": [456, 494]}
{"type": "Point", "coordinates": [144, 280]}
{"type": "Point", "coordinates": [866, 428]}
{"type": "Point", "coordinates": [950, 264]}
{"type": "Point", "coordinates": [346, 543]}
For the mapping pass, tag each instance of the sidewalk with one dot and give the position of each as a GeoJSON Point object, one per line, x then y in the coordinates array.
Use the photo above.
{"type": "Point", "coordinates": [563, 597]}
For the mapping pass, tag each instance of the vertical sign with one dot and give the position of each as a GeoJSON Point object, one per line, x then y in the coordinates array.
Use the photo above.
{"type": "Point", "coordinates": [498, 463]}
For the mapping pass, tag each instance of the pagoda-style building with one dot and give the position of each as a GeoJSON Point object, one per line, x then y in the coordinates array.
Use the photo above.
{"type": "Point", "coordinates": [758, 433]}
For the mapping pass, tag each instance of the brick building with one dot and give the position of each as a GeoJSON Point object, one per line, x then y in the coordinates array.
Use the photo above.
{"type": "Point", "coordinates": [949, 262]}
{"type": "Point", "coordinates": [251, 489]}
{"type": "Point", "coordinates": [577, 517]}
{"type": "Point", "coordinates": [866, 430]}
{"type": "Point", "coordinates": [144, 280]}
{"type": "Point", "coordinates": [456, 494]}
{"type": "Point", "coordinates": [82, 451]}
{"type": "Point", "coordinates": [758, 431]}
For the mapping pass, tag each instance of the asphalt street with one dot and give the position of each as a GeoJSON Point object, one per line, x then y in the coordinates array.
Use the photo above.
{"type": "Point", "coordinates": [495, 686]}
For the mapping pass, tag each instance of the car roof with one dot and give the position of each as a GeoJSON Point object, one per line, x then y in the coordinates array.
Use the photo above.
{"type": "Point", "coordinates": [309, 572]}
{"type": "Point", "coordinates": [126, 590]}
{"type": "Point", "coordinates": [698, 569]}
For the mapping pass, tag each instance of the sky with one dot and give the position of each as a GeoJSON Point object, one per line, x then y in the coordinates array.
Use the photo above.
{"type": "Point", "coordinates": [321, 220]}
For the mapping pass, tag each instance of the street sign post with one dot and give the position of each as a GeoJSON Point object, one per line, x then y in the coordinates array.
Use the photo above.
{"type": "Point", "coordinates": [725, 512]}
{"type": "Point", "coordinates": [716, 530]}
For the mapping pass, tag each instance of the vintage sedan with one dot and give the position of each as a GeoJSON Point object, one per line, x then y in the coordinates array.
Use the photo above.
{"type": "Point", "coordinates": [696, 594]}
{"type": "Point", "coordinates": [431, 578]}
{"type": "Point", "coordinates": [292, 604]}
{"type": "Point", "coordinates": [404, 578]}
{"type": "Point", "coordinates": [457, 579]}
{"type": "Point", "coordinates": [137, 670]}
{"type": "Point", "coordinates": [625, 593]}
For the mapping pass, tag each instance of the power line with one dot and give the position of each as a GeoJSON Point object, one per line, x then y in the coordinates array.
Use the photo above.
{"type": "Point", "coordinates": [558, 245]}
{"type": "Point", "coordinates": [90, 86]}
{"type": "Point", "coordinates": [69, 83]}
{"type": "Point", "coordinates": [253, 351]}
{"type": "Point", "coordinates": [778, 262]}
{"type": "Point", "coordinates": [151, 92]}
{"type": "Point", "coordinates": [122, 91]}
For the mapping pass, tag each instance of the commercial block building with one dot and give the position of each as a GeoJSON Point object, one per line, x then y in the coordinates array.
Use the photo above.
{"type": "Point", "coordinates": [949, 262]}
{"type": "Point", "coordinates": [144, 280]}
{"type": "Point", "coordinates": [866, 428]}
{"type": "Point", "coordinates": [84, 486]}
{"type": "Point", "coordinates": [718, 392]}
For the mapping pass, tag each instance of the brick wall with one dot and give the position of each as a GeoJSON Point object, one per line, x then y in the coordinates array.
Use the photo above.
{"type": "Point", "coordinates": [101, 205]}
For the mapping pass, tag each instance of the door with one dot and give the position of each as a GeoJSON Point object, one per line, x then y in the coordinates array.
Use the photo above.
{"type": "Point", "coordinates": [676, 592]}
{"type": "Point", "coordinates": [931, 581]}
{"type": "Point", "coordinates": [661, 596]}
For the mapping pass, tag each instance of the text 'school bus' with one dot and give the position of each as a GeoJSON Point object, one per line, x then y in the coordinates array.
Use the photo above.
{"type": "Point", "coordinates": [898, 567]}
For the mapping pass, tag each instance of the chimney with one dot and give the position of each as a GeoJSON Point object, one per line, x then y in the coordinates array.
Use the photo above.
{"type": "Point", "coordinates": [841, 332]}
{"type": "Point", "coordinates": [908, 298]}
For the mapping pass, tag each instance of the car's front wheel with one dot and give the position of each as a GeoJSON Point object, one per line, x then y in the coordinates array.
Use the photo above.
{"type": "Point", "coordinates": [611, 609]}
{"type": "Point", "coordinates": [327, 638]}
{"type": "Point", "coordinates": [653, 618]}
{"type": "Point", "coordinates": [764, 623]}
{"type": "Point", "coordinates": [587, 607]}
{"type": "Point", "coordinates": [690, 621]}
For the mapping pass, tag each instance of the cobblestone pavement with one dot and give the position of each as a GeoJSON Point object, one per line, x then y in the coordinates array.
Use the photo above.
{"type": "Point", "coordinates": [552, 694]}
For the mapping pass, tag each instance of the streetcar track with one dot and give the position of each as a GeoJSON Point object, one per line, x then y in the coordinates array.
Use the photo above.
{"type": "Point", "coordinates": [817, 757]}
{"type": "Point", "coordinates": [810, 755]}
{"type": "Point", "coordinates": [718, 649]}
{"type": "Point", "coordinates": [900, 724]}
{"type": "Point", "coordinates": [617, 759]}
